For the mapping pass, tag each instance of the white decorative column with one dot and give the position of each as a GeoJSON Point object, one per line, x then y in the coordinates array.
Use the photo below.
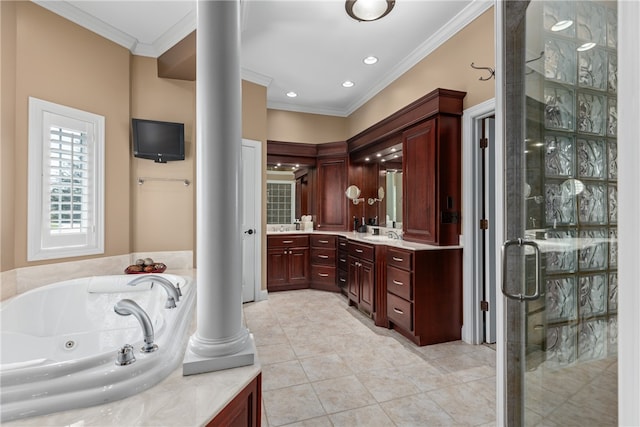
{"type": "Point", "coordinates": [220, 341]}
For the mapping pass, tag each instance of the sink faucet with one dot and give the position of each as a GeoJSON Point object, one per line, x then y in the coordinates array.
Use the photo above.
{"type": "Point", "coordinates": [125, 307]}
{"type": "Point", "coordinates": [172, 293]}
{"type": "Point", "coordinates": [393, 235]}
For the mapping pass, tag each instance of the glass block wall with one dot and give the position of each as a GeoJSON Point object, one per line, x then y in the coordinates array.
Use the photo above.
{"type": "Point", "coordinates": [575, 180]}
{"type": "Point", "coordinates": [280, 199]}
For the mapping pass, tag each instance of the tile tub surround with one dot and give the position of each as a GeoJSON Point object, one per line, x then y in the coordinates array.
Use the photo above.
{"type": "Point", "coordinates": [344, 371]}
{"type": "Point", "coordinates": [20, 280]}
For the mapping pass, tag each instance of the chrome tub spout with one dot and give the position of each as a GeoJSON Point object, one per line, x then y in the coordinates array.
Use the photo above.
{"type": "Point", "coordinates": [173, 295]}
{"type": "Point", "coordinates": [126, 307]}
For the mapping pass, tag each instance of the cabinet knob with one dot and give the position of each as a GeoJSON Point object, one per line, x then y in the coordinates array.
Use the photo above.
{"type": "Point", "coordinates": [324, 242]}
{"type": "Point", "coordinates": [395, 282]}
{"type": "Point", "coordinates": [323, 256]}
{"type": "Point", "coordinates": [397, 310]}
{"type": "Point", "coordinates": [359, 250]}
{"type": "Point", "coordinates": [397, 259]}
{"type": "Point", "coordinates": [323, 274]}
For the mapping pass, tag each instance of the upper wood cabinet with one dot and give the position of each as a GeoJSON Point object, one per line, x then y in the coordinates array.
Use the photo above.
{"type": "Point", "coordinates": [431, 181]}
{"type": "Point", "coordinates": [332, 168]}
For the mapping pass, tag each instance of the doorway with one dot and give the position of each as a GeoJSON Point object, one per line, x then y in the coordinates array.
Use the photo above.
{"type": "Point", "coordinates": [479, 224]}
{"type": "Point", "coordinates": [251, 219]}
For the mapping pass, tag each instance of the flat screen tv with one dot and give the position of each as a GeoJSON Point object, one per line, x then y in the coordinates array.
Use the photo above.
{"type": "Point", "coordinates": [158, 141]}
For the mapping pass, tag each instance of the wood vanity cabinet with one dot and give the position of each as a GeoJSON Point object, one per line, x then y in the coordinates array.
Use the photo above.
{"type": "Point", "coordinates": [342, 264]}
{"type": "Point", "coordinates": [424, 294]}
{"type": "Point", "coordinates": [245, 410]}
{"type": "Point", "coordinates": [323, 262]}
{"type": "Point", "coordinates": [361, 276]}
{"type": "Point", "coordinates": [287, 262]}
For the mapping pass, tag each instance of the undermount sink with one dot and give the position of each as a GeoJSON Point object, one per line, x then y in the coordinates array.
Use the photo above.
{"type": "Point", "coordinates": [379, 238]}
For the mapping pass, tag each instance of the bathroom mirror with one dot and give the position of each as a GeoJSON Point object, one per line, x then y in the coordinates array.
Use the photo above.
{"type": "Point", "coordinates": [353, 193]}
{"type": "Point", "coordinates": [393, 178]}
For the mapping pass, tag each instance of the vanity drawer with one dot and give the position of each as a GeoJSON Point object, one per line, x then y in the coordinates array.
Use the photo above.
{"type": "Point", "coordinates": [400, 312]}
{"type": "Point", "coordinates": [323, 256]}
{"type": "Point", "coordinates": [400, 259]}
{"type": "Point", "coordinates": [343, 276]}
{"type": "Point", "coordinates": [399, 282]}
{"type": "Point", "coordinates": [361, 251]}
{"type": "Point", "coordinates": [323, 242]}
{"type": "Point", "coordinates": [343, 260]}
{"type": "Point", "coordinates": [287, 241]}
{"type": "Point", "coordinates": [342, 243]}
{"type": "Point", "coordinates": [323, 274]}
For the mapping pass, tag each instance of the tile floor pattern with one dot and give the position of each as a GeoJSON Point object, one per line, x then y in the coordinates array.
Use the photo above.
{"type": "Point", "coordinates": [326, 364]}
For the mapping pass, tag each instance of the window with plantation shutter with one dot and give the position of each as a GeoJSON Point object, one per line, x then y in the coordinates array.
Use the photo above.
{"type": "Point", "coordinates": [66, 174]}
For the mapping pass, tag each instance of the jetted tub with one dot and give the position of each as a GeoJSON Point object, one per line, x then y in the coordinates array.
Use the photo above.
{"type": "Point", "coordinates": [59, 343]}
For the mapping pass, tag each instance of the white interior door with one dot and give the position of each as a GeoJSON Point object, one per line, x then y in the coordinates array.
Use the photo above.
{"type": "Point", "coordinates": [251, 218]}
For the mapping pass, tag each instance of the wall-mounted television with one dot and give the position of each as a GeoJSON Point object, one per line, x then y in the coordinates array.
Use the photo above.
{"type": "Point", "coordinates": [158, 141]}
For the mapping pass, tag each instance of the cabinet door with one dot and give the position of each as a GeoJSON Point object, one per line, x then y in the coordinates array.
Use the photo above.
{"type": "Point", "coordinates": [277, 267]}
{"type": "Point", "coordinates": [420, 169]}
{"type": "Point", "coordinates": [298, 265]}
{"type": "Point", "coordinates": [331, 202]}
{"type": "Point", "coordinates": [353, 280]}
{"type": "Point", "coordinates": [367, 286]}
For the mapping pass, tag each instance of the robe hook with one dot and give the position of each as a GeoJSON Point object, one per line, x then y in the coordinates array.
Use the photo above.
{"type": "Point", "coordinates": [492, 72]}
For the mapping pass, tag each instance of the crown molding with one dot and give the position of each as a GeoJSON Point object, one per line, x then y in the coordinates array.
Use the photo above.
{"type": "Point", "coordinates": [257, 78]}
{"type": "Point", "coordinates": [79, 17]}
{"type": "Point", "coordinates": [177, 32]}
{"type": "Point", "coordinates": [305, 109]}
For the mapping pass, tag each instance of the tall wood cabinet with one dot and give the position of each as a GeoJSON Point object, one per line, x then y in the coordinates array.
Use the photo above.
{"type": "Point", "coordinates": [431, 165]}
{"type": "Point", "coordinates": [331, 203]}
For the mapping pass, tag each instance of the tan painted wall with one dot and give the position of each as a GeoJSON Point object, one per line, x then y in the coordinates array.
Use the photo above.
{"type": "Point", "coordinates": [289, 126]}
{"type": "Point", "coordinates": [447, 67]}
{"type": "Point", "coordinates": [7, 132]}
{"type": "Point", "coordinates": [162, 212]}
{"type": "Point", "coordinates": [61, 62]}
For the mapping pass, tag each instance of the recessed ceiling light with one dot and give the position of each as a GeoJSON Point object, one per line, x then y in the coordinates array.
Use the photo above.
{"type": "Point", "coordinates": [366, 159]}
{"type": "Point", "coordinates": [562, 25]}
{"type": "Point", "coordinates": [370, 60]}
{"type": "Point", "coordinates": [279, 164]}
{"type": "Point", "coordinates": [586, 46]}
{"type": "Point", "coordinates": [383, 160]}
{"type": "Point", "coordinates": [393, 150]}
{"type": "Point", "coordinates": [348, 83]}
{"type": "Point", "coordinates": [379, 155]}
{"type": "Point", "coordinates": [292, 94]}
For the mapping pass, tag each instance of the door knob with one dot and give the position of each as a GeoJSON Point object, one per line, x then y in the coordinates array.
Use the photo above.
{"type": "Point", "coordinates": [250, 231]}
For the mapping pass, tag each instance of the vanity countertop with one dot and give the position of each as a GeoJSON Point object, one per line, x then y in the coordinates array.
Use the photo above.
{"type": "Point", "coordinates": [369, 238]}
{"type": "Point", "coordinates": [177, 400]}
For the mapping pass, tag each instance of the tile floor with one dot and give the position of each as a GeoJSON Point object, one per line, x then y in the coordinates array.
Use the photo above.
{"type": "Point", "coordinates": [326, 364]}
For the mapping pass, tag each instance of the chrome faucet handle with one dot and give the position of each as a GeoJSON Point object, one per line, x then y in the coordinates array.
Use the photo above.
{"type": "Point", "coordinates": [125, 355]}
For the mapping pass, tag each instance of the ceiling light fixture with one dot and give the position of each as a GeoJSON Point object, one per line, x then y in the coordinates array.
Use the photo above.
{"type": "Point", "coordinates": [348, 83]}
{"type": "Point", "coordinates": [292, 94]}
{"type": "Point", "coordinates": [370, 60]}
{"type": "Point", "coordinates": [368, 10]}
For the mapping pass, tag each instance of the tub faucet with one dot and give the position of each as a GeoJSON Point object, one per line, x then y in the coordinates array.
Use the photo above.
{"type": "Point", "coordinates": [172, 293]}
{"type": "Point", "coordinates": [125, 307]}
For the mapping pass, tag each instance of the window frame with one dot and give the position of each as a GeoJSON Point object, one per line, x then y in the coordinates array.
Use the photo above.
{"type": "Point", "coordinates": [42, 244]}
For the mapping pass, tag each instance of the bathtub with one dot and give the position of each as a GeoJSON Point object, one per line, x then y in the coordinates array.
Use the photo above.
{"type": "Point", "coordinates": [58, 343]}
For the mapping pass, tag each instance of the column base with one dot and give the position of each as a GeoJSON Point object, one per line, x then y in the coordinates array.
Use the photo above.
{"type": "Point", "coordinates": [195, 364]}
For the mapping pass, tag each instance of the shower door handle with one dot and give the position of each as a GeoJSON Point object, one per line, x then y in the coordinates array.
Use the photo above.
{"type": "Point", "coordinates": [521, 297]}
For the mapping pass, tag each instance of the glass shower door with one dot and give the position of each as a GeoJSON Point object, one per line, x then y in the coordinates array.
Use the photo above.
{"type": "Point", "coordinates": [560, 259]}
